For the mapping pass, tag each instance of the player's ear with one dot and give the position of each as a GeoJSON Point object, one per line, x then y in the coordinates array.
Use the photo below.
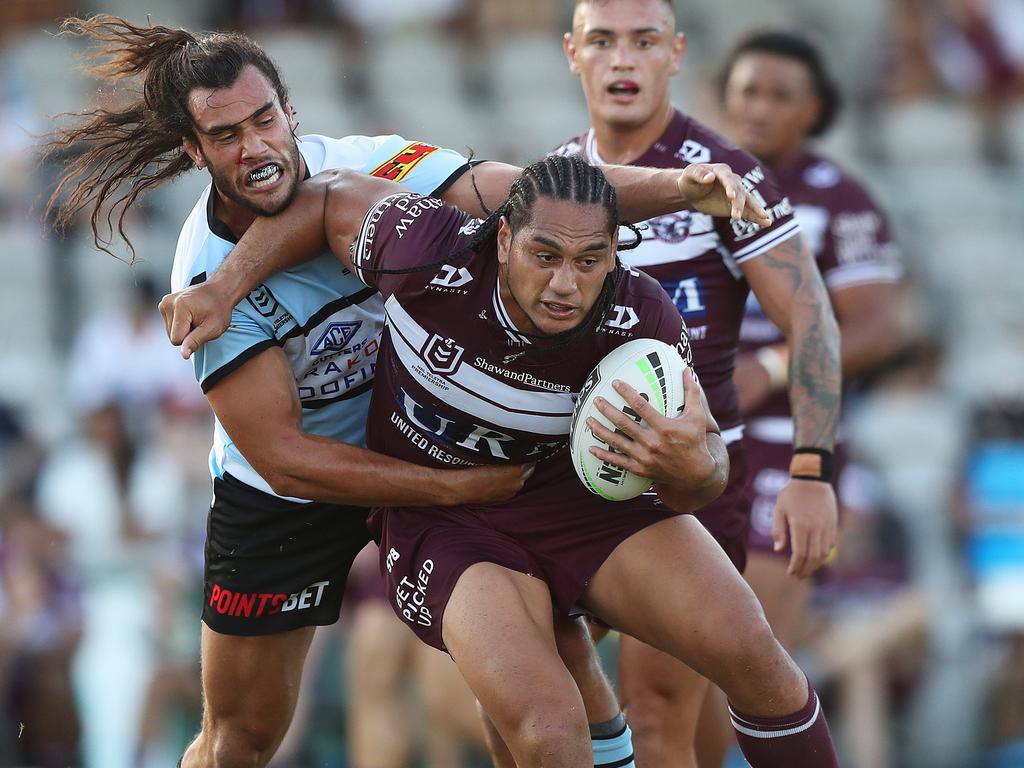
{"type": "Point", "coordinates": [192, 150]}
{"type": "Point", "coordinates": [570, 52]}
{"type": "Point", "coordinates": [293, 122]}
{"type": "Point", "coordinates": [504, 240]}
{"type": "Point", "coordinates": [678, 49]}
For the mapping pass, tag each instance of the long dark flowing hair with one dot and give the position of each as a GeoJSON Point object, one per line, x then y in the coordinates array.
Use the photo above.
{"type": "Point", "coordinates": [118, 154]}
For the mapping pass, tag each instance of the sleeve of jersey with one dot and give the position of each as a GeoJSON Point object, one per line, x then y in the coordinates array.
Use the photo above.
{"type": "Point", "coordinates": [668, 326]}
{"type": "Point", "coordinates": [404, 235]}
{"type": "Point", "coordinates": [422, 167]}
{"type": "Point", "coordinates": [858, 247]}
{"type": "Point", "coordinates": [745, 240]}
{"type": "Point", "coordinates": [245, 338]}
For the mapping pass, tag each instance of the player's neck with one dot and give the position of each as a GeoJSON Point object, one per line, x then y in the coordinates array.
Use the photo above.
{"type": "Point", "coordinates": [237, 218]}
{"type": "Point", "coordinates": [620, 145]}
{"type": "Point", "coordinates": [785, 157]}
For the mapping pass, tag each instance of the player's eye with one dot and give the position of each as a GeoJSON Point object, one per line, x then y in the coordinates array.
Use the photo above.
{"type": "Point", "coordinates": [224, 138]}
{"type": "Point", "coordinates": [600, 42]}
{"type": "Point", "coordinates": [267, 121]}
{"type": "Point", "coordinates": [546, 258]}
{"type": "Point", "coordinates": [644, 43]}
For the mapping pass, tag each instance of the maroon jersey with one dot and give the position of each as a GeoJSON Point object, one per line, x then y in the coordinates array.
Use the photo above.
{"type": "Point", "coordinates": [457, 383]}
{"type": "Point", "coordinates": [696, 257]}
{"type": "Point", "coordinates": [851, 243]}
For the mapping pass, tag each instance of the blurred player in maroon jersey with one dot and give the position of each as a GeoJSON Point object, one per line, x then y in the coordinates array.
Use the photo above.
{"type": "Point", "coordinates": [777, 96]}
{"type": "Point", "coordinates": [625, 51]}
{"type": "Point", "coordinates": [491, 327]}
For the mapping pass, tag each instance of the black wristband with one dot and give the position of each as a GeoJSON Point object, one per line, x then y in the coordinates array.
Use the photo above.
{"type": "Point", "coordinates": [812, 464]}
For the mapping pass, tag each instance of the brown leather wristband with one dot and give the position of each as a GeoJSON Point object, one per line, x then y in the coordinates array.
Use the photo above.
{"type": "Point", "coordinates": [812, 464]}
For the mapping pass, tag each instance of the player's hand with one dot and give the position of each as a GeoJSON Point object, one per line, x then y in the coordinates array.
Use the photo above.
{"type": "Point", "coordinates": [194, 316]}
{"type": "Point", "coordinates": [489, 483]}
{"type": "Point", "coordinates": [805, 512]}
{"type": "Point", "coordinates": [714, 189]}
{"type": "Point", "coordinates": [670, 450]}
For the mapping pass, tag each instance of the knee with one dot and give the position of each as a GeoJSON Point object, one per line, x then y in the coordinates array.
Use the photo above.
{"type": "Point", "coordinates": [239, 744]}
{"type": "Point", "coordinates": [545, 737]}
{"type": "Point", "coordinates": [755, 659]}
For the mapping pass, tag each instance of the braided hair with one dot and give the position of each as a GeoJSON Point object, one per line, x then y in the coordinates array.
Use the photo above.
{"type": "Point", "coordinates": [569, 178]}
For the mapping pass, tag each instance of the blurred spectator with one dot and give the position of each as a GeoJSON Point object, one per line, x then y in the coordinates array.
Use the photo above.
{"type": "Point", "coordinates": [123, 356]}
{"type": "Point", "coordinates": [116, 502]}
{"type": "Point", "coordinates": [40, 625]}
{"type": "Point", "coordinates": [973, 49]}
{"type": "Point", "coordinates": [992, 522]}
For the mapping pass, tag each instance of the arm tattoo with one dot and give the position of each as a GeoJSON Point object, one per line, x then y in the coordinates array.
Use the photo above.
{"type": "Point", "coordinates": [814, 369]}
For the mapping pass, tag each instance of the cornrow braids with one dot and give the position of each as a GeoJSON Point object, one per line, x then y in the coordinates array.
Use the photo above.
{"type": "Point", "coordinates": [121, 153]}
{"type": "Point", "coordinates": [558, 177]}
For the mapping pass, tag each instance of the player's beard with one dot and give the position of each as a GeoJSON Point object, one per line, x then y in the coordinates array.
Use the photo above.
{"type": "Point", "coordinates": [230, 188]}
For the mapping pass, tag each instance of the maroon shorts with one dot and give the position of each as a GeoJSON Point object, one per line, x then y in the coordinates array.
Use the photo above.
{"type": "Point", "coordinates": [769, 472]}
{"type": "Point", "coordinates": [727, 518]}
{"type": "Point", "coordinates": [554, 530]}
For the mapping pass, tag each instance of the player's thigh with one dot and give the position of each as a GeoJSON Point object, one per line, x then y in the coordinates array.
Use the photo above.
{"type": "Point", "coordinates": [497, 626]}
{"type": "Point", "coordinates": [672, 586]}
{"type": "Point", "coordinates": [783, 597]}
{"type": "Point", "coordinates": [253, 681]}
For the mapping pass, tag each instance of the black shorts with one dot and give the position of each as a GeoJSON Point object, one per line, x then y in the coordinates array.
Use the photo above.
{"type": "Point", "coordinates": [274, 565]}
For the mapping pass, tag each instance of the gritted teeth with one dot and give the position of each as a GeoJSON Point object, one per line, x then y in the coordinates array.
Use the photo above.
{"type": "Point", "coordinates": [264, 172]}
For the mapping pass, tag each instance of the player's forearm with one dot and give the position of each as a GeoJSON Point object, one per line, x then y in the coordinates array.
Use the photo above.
{"type": "Point", "coordinates": [275, 243]}
{"type": "Point", "coordinates": [693, 496]}
{"type": "Point", "coordinates": [311, 467]}
{"type": "Point", "coordinates": [815, 378]}
{"type": "Point", "coordinates": [643, 193]}
{"type": "Point", "coordinates": [869, 341]}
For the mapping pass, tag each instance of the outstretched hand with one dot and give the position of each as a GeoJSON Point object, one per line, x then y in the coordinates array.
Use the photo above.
{"type": "Point", "coordinates": [195, 316]}
{"type": "Point", "coordinates": [714, 189]}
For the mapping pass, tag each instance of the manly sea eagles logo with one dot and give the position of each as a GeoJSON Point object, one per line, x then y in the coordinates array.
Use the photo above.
{"type": "Point", "coordinates": [442, 355]}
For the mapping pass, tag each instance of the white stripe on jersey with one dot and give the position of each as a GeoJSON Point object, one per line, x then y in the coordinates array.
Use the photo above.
{"type": "Point", "coordinates": [505, 320]}
{"type": "Point", "coordinates": [767, 241]}
{"type": "Point", "coordinates": [859, 274]}
{"type": "Point", "coordinates": [474, 392]}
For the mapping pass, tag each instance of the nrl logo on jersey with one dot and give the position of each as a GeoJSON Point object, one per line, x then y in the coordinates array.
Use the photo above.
{"type": "Point", "coordinates": [335, 338]}
{"type": "Point", "coordinates": [442, 355]}
{"type": "Point", "coordinates": [450, 278]}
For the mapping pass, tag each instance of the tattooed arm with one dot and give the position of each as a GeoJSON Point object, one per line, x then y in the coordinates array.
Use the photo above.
{"type": "Point", "coordinates": [789, 288]}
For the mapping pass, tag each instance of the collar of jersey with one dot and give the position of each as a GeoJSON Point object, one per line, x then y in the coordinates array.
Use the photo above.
{"type": "Point", "coordinates": [504, 320]}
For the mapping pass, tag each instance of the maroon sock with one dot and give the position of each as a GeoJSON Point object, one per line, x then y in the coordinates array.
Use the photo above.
{"type": "Point", "coordinates": [798, 740]}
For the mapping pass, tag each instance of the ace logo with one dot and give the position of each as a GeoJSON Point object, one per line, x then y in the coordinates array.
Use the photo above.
{"type": "Point", "coordinates": [335, 338]}
{"type": "Point", "coordinates": [442, 355]}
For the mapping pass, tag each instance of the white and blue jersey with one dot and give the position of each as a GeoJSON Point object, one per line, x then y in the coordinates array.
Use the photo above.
{"type": "Point", "coordinates": [326, 321]}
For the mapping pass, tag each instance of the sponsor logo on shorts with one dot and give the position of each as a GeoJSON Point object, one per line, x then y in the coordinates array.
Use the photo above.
{"type": "Point", "coordinates": [253, 605]}
{"type": "Point", "coordinates": [399, 165]}
{"type": "Point", "coordinates": [411, 596]}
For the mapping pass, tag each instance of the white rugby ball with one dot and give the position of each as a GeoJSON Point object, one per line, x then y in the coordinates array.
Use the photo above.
{"type": "Point", "coordinates": [655, 370]}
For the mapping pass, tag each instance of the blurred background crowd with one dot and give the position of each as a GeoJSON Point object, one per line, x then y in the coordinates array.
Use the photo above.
{"type": "Point", "coordinates": [918, 637]}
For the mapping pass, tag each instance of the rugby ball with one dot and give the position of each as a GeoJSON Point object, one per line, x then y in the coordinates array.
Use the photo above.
{"type": "Point", "coordinates": [655, 370]}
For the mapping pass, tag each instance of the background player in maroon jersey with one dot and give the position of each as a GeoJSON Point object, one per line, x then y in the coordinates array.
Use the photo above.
{"type": "Point", "coordinates": [542, 273]}
{"type": "Point", "coordinates": [777, 96]}
{"type": "Point", "coordinates": [625, 51]}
